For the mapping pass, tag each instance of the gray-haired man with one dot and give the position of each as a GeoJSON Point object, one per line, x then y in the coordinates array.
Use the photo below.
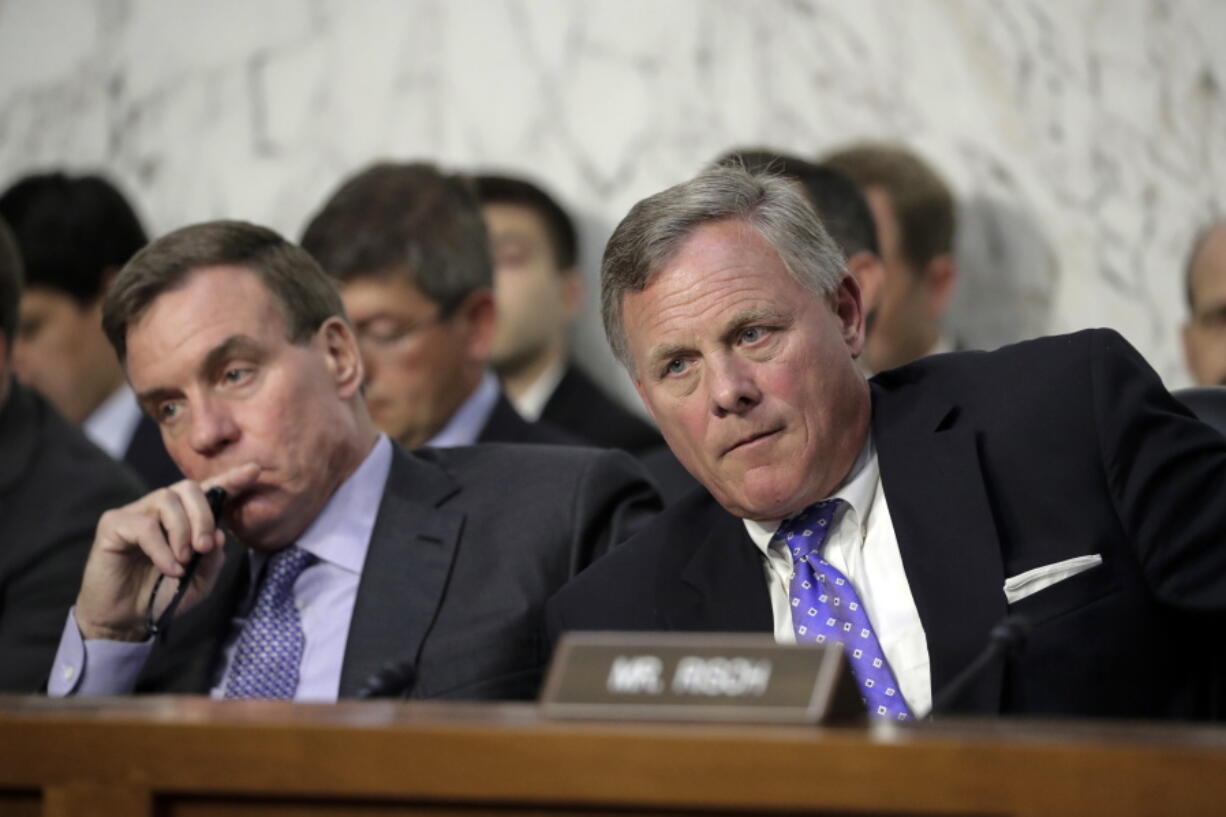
{"type": "Point", "coordinates": [1055, 480]}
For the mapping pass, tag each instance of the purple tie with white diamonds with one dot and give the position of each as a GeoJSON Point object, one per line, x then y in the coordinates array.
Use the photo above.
{"type": "Point", "coordinates": [825, 607]}
{"type": "Point", "coordinates": [269, 649]}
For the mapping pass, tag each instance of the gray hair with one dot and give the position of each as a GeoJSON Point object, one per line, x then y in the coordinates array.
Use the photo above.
{"type": "Point", "coordinates": [653, 231]}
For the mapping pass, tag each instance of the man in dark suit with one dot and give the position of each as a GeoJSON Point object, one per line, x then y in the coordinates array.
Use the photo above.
{"type": "Point", "coordinates": [409, 249]}
{"type": "Point", "coordinates": [1055, 480]}
{"type": "Point", "coordinates": [74, 235]}
{"type": "Point", "coordinates": [539, 292]}
{"type": "Point", "coordinates": [54, 484]}
{"type": "Point", "coordinates": [349, 553]}
{"type": "Point", "coordinates": [916, 219]}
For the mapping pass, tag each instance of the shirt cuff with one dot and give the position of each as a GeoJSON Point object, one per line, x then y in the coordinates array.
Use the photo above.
{"type": "Point", "coordinates": [95, 666]}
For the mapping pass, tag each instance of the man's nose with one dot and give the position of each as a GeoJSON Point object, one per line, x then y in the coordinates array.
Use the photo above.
{"type": "Point", "coordinates": [732, 386]}
{"type": "Point", "coordinates": [212, 427]}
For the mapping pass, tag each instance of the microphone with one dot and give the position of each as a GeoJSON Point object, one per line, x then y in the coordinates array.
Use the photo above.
{"type": "Point", "coordinates": [395, 679]}
{"type": "Point", "coordinates": [1008, 636]}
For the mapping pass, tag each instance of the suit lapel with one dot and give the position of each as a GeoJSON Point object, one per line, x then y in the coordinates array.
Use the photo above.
{"type": "Point", "coordinates": [405, 575]}
{"type": "Point", "coordinates": [934, 486]}
{"type": "Point", "coordinates": [721, 588]}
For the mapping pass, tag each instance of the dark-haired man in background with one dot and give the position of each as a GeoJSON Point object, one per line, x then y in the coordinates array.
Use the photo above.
{"type": "Point", "coordinates": [54, 484]}
{"type": "Point", "coordinates": [914, 212]}
{"type": "Point", "coordinates": [348, 552]}
{"type": "Point", "coordinates": [408, 246]}
{"type": "Point", "coordinates": [74, 234]}
{"type": "Point", "coordinates": [539, 291]}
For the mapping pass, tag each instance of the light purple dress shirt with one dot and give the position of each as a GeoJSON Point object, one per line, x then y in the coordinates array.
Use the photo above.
{"type": "Point", "coordinates": [325, 593]}
{"type": "Point", "coordinates": [466, 423]}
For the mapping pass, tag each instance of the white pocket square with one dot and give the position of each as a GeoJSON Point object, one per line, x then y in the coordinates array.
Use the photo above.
{"type": "Point", "coordinates": [1040, 578]}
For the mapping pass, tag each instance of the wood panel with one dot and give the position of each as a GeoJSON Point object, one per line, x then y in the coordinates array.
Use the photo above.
{"type": "Point", "coordinates": [196, 757]}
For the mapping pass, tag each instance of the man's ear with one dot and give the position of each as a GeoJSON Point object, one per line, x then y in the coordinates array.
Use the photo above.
{"type": "Point", "coordinates": [869, 272]}
{"type": "Point", "coordinates": [941, 277]}
{"type": "Point", "coordinates": [477, 318]}
{"type": "Point", "coordinates": [343, 356]}
{"type": "Point", "coordinates": [845, 301]}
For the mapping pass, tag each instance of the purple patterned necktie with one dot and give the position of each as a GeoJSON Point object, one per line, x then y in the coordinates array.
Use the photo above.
{"type": "Point", "coordinates": [269, 649]}
{"type": "Point", "coordinates": [825, 606]}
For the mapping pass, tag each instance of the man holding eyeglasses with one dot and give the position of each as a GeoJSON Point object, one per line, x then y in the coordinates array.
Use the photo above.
{"type": "Point", "coordinates": [408, 246]}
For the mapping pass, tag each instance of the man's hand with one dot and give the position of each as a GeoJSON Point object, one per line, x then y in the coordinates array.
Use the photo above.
{"type": "Point", "coordinates": [156, 535]}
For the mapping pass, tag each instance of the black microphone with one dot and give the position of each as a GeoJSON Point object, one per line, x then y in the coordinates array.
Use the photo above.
{"type": "Point", "coordinates": [1008, 636]}
{"type": "Point", "coordinates": [395, 679]}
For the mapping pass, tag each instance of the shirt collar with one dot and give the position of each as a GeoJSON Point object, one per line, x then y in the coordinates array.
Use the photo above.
{"type": "Point", "coordinates": [466, 422]}
{"type": "Point", "coordinates": [113, 423]}
{"type": "Point", "coordinates": [857, 490]}
{"type": "Point", "coordinates": [531, 404]}
{"type": "Point", "coordinates": [341, 533]}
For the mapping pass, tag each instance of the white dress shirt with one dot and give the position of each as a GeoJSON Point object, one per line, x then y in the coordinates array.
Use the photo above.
{"type": "Point", "coordinates": [531, 404]}
{"type": "Point", "coordinates": [862, 545]}
{"type": "Point", "coordinates": [113, 423]}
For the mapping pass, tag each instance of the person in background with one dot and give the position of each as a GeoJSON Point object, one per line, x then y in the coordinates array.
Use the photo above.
{"type": "Point", "coordinates": [54, 484]}
{"type": "Point", "coordinates": [408, 246]}
{"type": "Point", "coordinates": [74, 234]}
{"type": "Point", "coordinates": [539, 292]}
{"type": "Point", "coordinates": [1204, 334]}
{"type": "Point", "coordinates": [914, 212]}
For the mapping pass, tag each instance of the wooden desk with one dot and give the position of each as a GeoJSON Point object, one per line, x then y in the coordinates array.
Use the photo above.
{"type": "Point", "coordinates": [196, 757]}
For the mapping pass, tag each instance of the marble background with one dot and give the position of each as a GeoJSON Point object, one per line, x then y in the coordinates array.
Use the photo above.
{"type": "Point", "coordinates": [1086, 139]}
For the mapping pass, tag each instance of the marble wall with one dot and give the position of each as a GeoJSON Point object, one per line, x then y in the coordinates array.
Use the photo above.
{"type": "Point", "coordinates": [1086, 139]}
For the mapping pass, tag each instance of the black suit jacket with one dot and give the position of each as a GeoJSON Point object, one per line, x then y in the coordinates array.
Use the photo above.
{"type": "Point", "coordinates": [505, 425]}
{"type": "Point", "coordinates": [54, 484]}
{"type": "Point", "coordinates": [467, 545]}
{"type": "Point", "coordinates": [582, 408]}
{"type": "Point", "coordinates": [994, 464]}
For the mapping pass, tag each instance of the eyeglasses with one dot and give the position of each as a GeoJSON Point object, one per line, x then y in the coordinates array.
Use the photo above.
{"type": "Point", "coordinates": [386, 332]}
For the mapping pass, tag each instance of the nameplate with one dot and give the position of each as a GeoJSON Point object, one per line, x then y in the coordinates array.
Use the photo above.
{"type": "Point", "coordinates": [698, 677]}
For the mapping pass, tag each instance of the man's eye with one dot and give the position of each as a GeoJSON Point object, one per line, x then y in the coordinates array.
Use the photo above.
{"type": "Point", "coordinates": [675, 366]}
{"type": "Point", "coordinates": [753, 334]}
{"type": "Point", "coordinates": [28, 328]}
{"type": "Point", "coordinates": [385, 333]}
{"type": "Point", "coordinates": [167, 412]}
{"type": "Point", "coordinates": [235, 375]}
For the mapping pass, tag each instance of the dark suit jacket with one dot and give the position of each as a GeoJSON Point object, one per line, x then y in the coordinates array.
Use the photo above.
{"type": "Point", "coordinates": [467, 545]}
{"type": "Point", "coordinates": [146, 455]}
{"type": "Point", "coordinates": [505, 425]}
{"type": "Point", "coordinates": [994, 464]}
{"type": "Point", "coordinates": [54, 484]}
{"type": "Point", "coordinates": [581, 407]}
